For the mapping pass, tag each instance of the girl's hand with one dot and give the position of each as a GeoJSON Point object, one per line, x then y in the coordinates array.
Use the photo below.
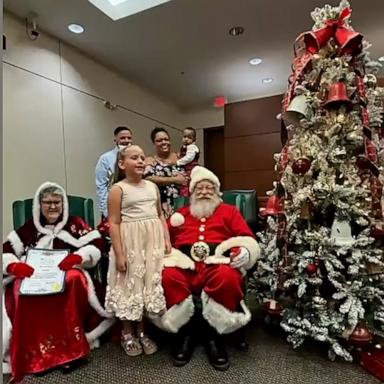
{"type": "Point", "coordinates": [121, 264]}
{"type": "Point", "coordinates": [168, 246]}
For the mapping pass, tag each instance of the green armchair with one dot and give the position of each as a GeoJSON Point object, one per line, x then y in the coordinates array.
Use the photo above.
{"type": "Point", "coordinates": [78, 206]}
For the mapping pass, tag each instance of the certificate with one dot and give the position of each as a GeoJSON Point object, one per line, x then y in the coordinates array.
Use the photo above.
{"type": "Point", "coordinates": [47, 278]}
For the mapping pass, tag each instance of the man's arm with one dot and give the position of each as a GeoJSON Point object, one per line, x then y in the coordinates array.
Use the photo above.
{"type": "Point", "coordinates": [102, 181]}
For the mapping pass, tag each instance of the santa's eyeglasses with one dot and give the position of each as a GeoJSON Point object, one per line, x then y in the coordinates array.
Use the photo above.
{"type": "Point", "coordinates": [208, 188]}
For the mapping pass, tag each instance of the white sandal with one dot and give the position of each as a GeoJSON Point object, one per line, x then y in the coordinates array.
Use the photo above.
{"type": "Point", "coordinates": [131, 345]}
{"type": "Point", "coordinates": [148, 345]}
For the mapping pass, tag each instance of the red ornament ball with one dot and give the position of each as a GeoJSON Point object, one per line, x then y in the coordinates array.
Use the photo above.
{"type": "Point", "coordinates": [301, 166]}
{"type": "Point", "coordinates": [311, 268]}
{"type": "Point", "coordinates": [377, 233]}
{"type": "Point", "coordinates": [361, 335]}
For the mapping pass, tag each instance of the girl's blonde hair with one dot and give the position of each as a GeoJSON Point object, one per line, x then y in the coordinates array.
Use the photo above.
{"type": "Point", "coordinates": [119, 174]}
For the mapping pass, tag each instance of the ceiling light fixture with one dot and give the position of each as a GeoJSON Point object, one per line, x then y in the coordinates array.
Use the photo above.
{"type": "Point", "coordinates": [76, 28]}
{"type": "Point", "coordinates": [236, 31]}
{"type": "Point", "coordinates": [381, 59]}
{"type": "Point", "coordinates": [267, 80]}
{"type": "Point", "coordinates": [255, 61]}
{"type": "Point", "coordinates": [118, 9]}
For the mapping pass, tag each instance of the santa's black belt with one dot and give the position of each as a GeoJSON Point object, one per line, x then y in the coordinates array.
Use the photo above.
{"type": "Point", "coordinates": [199, 250]}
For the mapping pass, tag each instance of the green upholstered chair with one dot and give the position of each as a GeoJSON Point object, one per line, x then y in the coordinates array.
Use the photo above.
{"type": "Point", "coordinates": [244, 200]}
{"type": "Point", "coordinates": [78, 206]}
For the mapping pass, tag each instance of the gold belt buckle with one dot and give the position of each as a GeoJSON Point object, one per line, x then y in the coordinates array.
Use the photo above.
{"type": "Point", "coordinates": [200, 251]}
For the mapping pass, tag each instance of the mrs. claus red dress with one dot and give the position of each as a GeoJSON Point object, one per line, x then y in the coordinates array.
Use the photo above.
{"type": "Point", "coordinates": [43, 332]}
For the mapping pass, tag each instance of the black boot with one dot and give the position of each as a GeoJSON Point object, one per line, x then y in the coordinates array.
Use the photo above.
{"type": "Point", "coordinates": [184, 345]}
{"type": "Point", "coordinates": [237, 340]}
{"type": "Point", "coordinates": [215, 349]}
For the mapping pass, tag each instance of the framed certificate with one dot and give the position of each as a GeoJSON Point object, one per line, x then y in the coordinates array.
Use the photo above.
{"type": "Point", "coordinates": [48, 278]}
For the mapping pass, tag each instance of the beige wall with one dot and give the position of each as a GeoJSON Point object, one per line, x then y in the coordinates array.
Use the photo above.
{"type": "Point", "coordinates": [204, 118]}
{"type": "Point", "coordinates": [54, 124]}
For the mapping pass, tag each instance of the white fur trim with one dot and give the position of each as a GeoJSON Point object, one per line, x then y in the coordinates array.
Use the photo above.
{"type": "Point", "coordinates": [8, 258]}
{"type": "Point", "coordinates": [176, 316]}
{"type": "Point", "coordinates": [178, 259]}
{"type": "Point", "coordinates": [177, 219]}
{"type": "Point", "coordinates": [90, 255]}
{"type": "Point", "coordinates": [217, 260]}
{"type": "Point", "coordinates": [221, 318]}
{"type": "Point", "coordinates": [36, 209]}
{"type": "Point", "coordinates": [16, 243]}
{"type": "Point", "coordinates": [7, 331]}
{"type": "Point", "coordinates": [247, 242]}
{"type": "Point", "coordinates": [201, 173]}
{"type": "Point", "coordinates": [7, 280]}
{"type": "Point", "coordinates": [93, 336]}
{"type": "Point", "coordinates": [81, 241]}
{"type": "Point", "coordinates": [93, 300]}
{"type": "Point", "coordinates": [6, 368]}
{"type": "Point", "coordinates": [47, 240]}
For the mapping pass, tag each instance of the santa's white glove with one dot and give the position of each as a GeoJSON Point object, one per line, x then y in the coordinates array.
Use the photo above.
{"type": "Point", "coordinates": [239, 257]}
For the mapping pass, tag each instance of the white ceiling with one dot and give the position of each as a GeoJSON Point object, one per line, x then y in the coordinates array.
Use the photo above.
{"type": "Point", "coordinates": [153, 47]}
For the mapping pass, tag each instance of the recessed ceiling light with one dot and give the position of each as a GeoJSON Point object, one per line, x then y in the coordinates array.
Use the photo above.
{"type": "Point", "coordinates": [255, 61]}
{"type": "Point", "coordinates": [267, 80]}
{"type": "Point", "coordinates": [76, 28]}
{"type": "Point", "coordinates": [236, 31]}
{"type": "Point", "coordinates": [381, 59]}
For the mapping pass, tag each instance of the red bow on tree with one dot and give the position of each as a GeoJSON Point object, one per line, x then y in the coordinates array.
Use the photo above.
{"type": "Point", "coordinates": [348, 40]}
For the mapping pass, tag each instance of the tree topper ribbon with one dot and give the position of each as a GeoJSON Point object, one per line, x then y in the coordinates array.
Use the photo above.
{"type": "Point", "coordinates": [348, 40]}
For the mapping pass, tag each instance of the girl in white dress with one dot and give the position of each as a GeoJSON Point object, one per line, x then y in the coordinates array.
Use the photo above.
{"type": "Point", "coordinates": [140, 240]}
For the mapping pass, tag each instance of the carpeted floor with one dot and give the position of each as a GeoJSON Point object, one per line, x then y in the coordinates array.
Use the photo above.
{"type": "Point", "coordinates": [270, 360]}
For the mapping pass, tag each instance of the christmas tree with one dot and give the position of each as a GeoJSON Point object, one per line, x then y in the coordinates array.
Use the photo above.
{"type": "Point", "coordinates": [322, 269]}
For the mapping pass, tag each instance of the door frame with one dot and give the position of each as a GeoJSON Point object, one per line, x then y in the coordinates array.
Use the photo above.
{"type": "Point", "coordinates": [211, 129]}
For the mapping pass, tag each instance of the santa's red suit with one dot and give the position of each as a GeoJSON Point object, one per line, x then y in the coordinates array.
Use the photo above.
{"type": "Point", "coordinates": [42, 332]}
{"type": "Point", "coordinates": [220, 286]}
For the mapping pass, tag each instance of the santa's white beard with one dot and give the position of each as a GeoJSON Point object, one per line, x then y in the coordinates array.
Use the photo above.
{"type": "Point", "coordinates": [203, 207]}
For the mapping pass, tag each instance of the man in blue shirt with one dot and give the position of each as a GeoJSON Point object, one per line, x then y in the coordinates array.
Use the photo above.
{"type": "Point", "coordinates": [105, 168]}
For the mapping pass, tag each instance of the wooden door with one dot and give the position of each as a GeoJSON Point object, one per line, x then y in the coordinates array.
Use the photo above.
{"type": "Point", "coordinates": [214, 158]}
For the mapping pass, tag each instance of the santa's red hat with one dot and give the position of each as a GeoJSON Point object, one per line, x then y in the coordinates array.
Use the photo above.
{"type": "Point", "coordinates": [199, 174]}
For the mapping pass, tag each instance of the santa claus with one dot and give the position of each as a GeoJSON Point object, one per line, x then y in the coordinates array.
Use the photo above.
{"type": "Point", "coordinates": [203, 278]}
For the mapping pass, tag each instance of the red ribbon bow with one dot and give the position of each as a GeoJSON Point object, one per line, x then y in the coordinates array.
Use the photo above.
{"type": "Point", "coordinates": [340, 22]}
{"type": "Point", "coordinates": [347, 39]}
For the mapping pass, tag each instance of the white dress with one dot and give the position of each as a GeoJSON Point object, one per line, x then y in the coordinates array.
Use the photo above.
{"type": "Point", "coordinates": [138, 291]}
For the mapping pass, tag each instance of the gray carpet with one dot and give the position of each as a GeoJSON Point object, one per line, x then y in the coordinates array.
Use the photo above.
{"type": "Point", "coordinates": [269, 361]}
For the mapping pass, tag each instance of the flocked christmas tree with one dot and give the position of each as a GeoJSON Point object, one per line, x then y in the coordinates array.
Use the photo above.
{"type": "Point", "coordinates": [322, 265]}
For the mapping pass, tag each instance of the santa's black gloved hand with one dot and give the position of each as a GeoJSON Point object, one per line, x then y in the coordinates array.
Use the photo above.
{"type": "Point", "coordinates": [239, 257]}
